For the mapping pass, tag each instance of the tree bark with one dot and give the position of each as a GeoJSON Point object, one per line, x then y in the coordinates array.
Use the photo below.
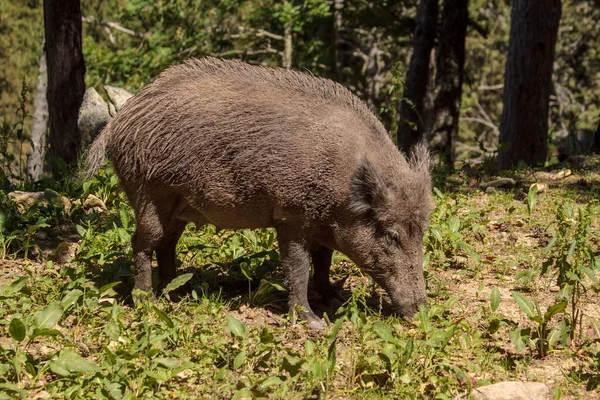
{"type": "Point", "coordinates": [288, 48]}
{"type": "Point", "coordinates": [528, 82]}
{"type": "Point", "coordinates": [40, 122]}
{"type": "Point", "coordinates": [338, 23]}
{"type": "Point", "coordinates": [449, 78]}
{"type": "Point", "coordinates": [66, 85]}
{"type": "Point", "coordinates": [411, 125]}
{"type": "Point", "coordinates": [596, 143]}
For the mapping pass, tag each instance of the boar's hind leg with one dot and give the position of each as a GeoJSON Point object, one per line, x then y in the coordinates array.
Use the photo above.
{"type": "Point", "coordinates": [321, 259]}
{"type": "Point", "coordinates": [154, 224]}
{"type": "Point", "coordinates": [165, 253]}
{"type": "Point", "coordinates": [296, 265]}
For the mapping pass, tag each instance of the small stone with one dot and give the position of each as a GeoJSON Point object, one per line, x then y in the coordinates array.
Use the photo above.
{"type": "Point", "coordinates": [497, 183]}
{"type": "Point", "coordinates": [64, 252]}
{"type": "Point", "coordinates": [26, 200]}
{"type": "Point", "coordinates": [541, 188]}
{"type": "Point", "coordinates": [512, 391]}
{"type": "Point", "coordinates": [118, 96]}
{"type": "Point", "coordinates": [93, 115]}
{"type": "Point", "coordinates": [562, 174]}
{"type": "Point", "coordinates": [94, 203]}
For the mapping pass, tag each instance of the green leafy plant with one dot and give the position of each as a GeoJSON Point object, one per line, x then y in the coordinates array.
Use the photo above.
{"type": "Point", "coordinates": [571, 258]}
{"type": "Point", "coordinates": [542, 339]}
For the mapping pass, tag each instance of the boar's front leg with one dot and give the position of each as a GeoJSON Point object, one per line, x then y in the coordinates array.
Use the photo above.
{"type": "Point", "coordinates": [295, 259]}
{"type": "Point", "coordinates": [321, 259]}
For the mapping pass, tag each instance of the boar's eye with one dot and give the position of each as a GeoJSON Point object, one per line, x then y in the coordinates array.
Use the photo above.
{"type": "Point", "coordinates": [394, 237]}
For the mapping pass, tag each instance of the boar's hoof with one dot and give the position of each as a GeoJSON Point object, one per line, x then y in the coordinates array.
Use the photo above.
{"type": "Point", "coordinates": [312, 321]}
{"type": "Point", "coordinates": [141, 296]}
{"type": "Point", "coordinates": [318, 325]}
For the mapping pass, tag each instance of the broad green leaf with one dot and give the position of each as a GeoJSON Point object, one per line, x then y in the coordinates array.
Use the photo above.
{"type": "Point", "coordinates": [167, 362]}
{"type": "Point", "coordinates": [239, 359]}
{"type": "Point", "coordinates": [554, 337]}
{"type": "Point", "coordinates": [71, 298]}
{"type": "Point", "coordinates": [14, 287]}
{"type": "Point", "coordinates": [236, 327]}
{"type": "Point", "coordinates": [309, 346]}
{"type": "Point", "coordinates": [244, 393]}
{"type": "Point", "coordinates": [495, 299]}
{"type": "Point", "coordinates": [17, 329]}
{"type": "Point", "coordinates": [519, 339]}
{"type": "Point", "coordinates": [48, 316]}
{"type": "Point", "coordinates": [177, 282]}
{"type": "Point", "coordinates": [555, 309]}
{"type": "Point", "coordinates": [331, 356]}
{"type": "Point", "coordinates": [271, 381]}
{"type": "Point", "coordinates": [81, 230]}
{"type": "Point", "coordinates": [107, 287]}
{"type": "Point", "coordinates": [524, 304]}
{"type": "Point", "coordinates": [69, 362]}
{"type": "Point", "coordinates": [572, 249]}
{"type": "Point", "coordinates": [162, 315]}
{"type": "Point", "coordinates": [319, 369]}
{"type": "Point", "coordinates": [384, 331]}
{"type": "Point", "coordinates": [112, 330]}
{"type": "Point", "coordinates": [38, 332]}
{"type": "Point", "coordinates": [454, 223]}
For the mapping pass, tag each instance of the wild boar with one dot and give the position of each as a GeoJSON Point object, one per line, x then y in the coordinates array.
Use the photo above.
{"type": "Point", "coordinates": [241, 146]}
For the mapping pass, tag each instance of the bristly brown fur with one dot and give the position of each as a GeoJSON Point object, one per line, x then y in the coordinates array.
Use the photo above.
{"type": "Point", "coordinates": [240, 146]}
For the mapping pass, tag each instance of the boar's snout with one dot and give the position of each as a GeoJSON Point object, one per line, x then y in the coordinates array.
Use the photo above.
{"type": "Point", "coordinates": [407, 297]}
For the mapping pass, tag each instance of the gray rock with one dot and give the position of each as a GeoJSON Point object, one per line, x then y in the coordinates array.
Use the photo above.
{"type": "Point", "coordinates": [512, 391]}
{"type": "Point", "coordinates": [497, 183]}
{"type": "Point", "coordinates": [93, 115]}
{"type": "Point", "coordinates": [26, 200]}
{"type": "Point", "coordinates": [94, 203]}
{"type": "Point", "coordinates": [118, 96]}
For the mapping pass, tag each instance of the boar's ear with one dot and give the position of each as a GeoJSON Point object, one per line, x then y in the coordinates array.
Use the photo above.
{"type": "Point", "coordinates": [367, 190]}
{"type": "Point", "coordinates": [420, 161]}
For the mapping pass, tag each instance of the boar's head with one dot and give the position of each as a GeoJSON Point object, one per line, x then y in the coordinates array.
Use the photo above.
{"type": "Point", "coordinates": [390, 209]}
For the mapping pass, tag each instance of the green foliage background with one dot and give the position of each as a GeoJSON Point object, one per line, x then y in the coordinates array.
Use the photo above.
{"type": "Point", "coordinates": [373, 47]}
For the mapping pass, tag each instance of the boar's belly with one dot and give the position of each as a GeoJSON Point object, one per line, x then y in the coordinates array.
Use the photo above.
{"type": "Point", "coordinates": [228, 217]}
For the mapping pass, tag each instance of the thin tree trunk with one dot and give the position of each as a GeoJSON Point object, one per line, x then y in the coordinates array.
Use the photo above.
{"type": "Point", "coordinates": [450, 71]}
{"type": "Point", "coordinates": [411, 126]}
{"type": "Point", "coordinates": [40, 122]}
{"type": "Point", "coordinates": [528, 82]}
{"type": "Point", "coordinates": [596, 143]}
{"type": "Point", "coordinates": [288, 49]}
{"type": "Point", "coordinates": [66, 70]}
{"type": "Point", "coordinates": [338, 22]}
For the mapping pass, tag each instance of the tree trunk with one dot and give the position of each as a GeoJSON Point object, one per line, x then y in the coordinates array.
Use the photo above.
{"type": "Point", "coordinates": [528, 82]}
{"type": "Point", "coordinates": [596, 143]}
{"type": "Point", "coordinates": [450, 71]}
{"type": "Point", "coordinates": [40, 122]}
{"type": "Point", "coordinates": [338, 22]}
{"type": "Point", "coordinates": [411, 126]}
{"type": "Point", "coordinates": [288, 48]}
{"type": "Point", "coordinates": [66, 85]}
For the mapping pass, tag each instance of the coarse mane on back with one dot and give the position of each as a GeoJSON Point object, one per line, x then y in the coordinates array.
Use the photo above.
{"type": "Point", "coordinates": [295, 82]}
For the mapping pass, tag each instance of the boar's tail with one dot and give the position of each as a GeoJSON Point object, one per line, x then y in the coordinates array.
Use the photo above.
{"type": "Point", "coordinates": [97, 152]}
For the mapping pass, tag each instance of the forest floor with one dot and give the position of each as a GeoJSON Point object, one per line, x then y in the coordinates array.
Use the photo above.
{"type": "Point", "coordinates": [68, 327]}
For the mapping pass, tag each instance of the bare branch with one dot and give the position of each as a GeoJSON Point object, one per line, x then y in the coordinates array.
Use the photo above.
{"type": "Point", "coordinates": [112, 25]}
{"type": "Point", "coordinates": [492, 87]}
{"type": "Point", "coordinates": [481, 121]}
{"type": "Point", "coordinates": [478, 28]}
{"type": "Point", "coordinates": [247, 52]}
